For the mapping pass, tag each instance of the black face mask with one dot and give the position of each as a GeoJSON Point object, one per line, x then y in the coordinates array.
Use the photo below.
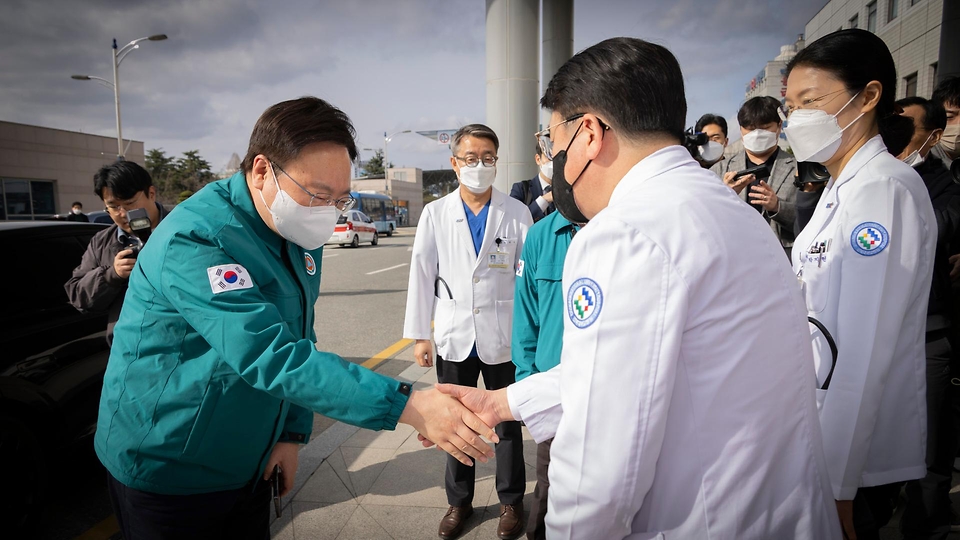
{"type": "Point", "coordinates": [563, 191]}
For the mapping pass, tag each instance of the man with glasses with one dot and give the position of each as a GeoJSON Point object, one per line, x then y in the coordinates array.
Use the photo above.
{"type": "Point", "coordinates": [100, 282]}
{"type": "Point", "coordinates": [464, 260]}
{"type": "Point", "coordinates": [214, 372]}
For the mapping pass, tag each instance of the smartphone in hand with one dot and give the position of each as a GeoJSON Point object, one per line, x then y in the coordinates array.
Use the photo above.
{"type": "Point", "coordinates": [760, 171]}
{"type": "Point", "coordinates": [276, 485]}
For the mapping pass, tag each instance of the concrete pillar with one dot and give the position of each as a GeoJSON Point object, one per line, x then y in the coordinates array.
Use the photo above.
{"type": "Point", "coordinates": [512, 85]}
{"type": "Point", "coordinates": [557, 43]}
{"type": "Point", "coordinates": [948, 63]}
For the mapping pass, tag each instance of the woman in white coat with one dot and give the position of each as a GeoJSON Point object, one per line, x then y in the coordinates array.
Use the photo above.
{"type": "Point", "coordinates": [864, 262]}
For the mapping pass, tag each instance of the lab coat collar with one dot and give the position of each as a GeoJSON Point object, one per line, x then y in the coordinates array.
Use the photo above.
{"type": "Point", "coordinates": [657, 163]}
{"type": "Point", "coordinates": [242, 199]}
{"type": "Point", "coordinates": [863, 156]}
{"type": "Point", "coordinates": [494, 217]}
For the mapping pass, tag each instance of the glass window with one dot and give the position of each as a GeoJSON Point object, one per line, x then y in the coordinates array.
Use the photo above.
{"type": "Point", "coordinates": [855, 21]}
{"type": "Point", "coordinates": [892, 8]}
{"type": "Point", "coordinates": [41, 194]}
{"type": "Point", "coordinates": [914, 2]}
{"type": "Point", "coordinates": [910, 85]}
{"type": "Point", "coordinates": [872, 17]}
{"type": "Point", "coordinates": [26, 199]}
{"type": "Point", "coordinates": [16, 195]}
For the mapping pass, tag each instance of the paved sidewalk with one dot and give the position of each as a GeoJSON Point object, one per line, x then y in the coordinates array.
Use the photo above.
{"type": "Point", "coordinates": [355, 484]}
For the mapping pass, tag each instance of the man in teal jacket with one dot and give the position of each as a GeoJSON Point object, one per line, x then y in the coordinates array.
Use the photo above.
{"type": "Point", "coordinates": [538, 311]}
{"type": "Point", "coordinates": [214, 371]}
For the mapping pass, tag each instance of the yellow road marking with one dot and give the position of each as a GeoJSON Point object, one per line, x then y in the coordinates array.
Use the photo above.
{"type": "Point", "coordinates": [385, 354]}
{"type": "Point", "coordinates": [101, 531]}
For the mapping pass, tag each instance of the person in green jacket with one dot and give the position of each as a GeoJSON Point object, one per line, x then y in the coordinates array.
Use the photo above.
{"type": "Point", "coordinates": [538, 310]}
{"type": "Point", "coordinates": [214, 371]}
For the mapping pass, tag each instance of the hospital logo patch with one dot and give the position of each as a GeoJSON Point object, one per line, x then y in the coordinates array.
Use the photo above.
{"type": "Point", "coordinates": [310, 264]}
{"type": "Point", "coordinates": [869, 238]}
{"type": "Point", "coordinates": [228, 277]}
{"type": "Point", "coordinates": [584, 300]}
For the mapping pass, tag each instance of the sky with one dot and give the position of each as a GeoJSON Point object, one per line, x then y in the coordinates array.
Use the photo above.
{"type": "Point", "coordinates": [391, 65]}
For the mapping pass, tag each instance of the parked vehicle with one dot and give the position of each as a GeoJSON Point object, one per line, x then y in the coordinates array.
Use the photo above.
{"type": "Point", "coordinates": [353, 228]}
{"type": "Point", "coordinates": [379, 208]}
{"type": "Point", "coordinates": [52, 360]}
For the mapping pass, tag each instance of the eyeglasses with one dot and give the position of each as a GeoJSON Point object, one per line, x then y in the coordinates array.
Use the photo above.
{"type": "Point", "coordinates": [543, 136]}
{"type": "Point", "coordinates": [126, 207]}
{"type": "Point", "coordinates": [320, 201]}
{"type": "Point", "coordinates": [808, 102]}
{"type": "Point", "coordinates": [472, 160]}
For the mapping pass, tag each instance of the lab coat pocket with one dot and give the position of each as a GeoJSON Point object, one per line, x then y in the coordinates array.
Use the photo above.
{"type": "Point", "coordinates": [443, 321]}
{"type": "Point", "coordinates": [505, 321]}
{"type": "Point", "coordinates": [816, 283]}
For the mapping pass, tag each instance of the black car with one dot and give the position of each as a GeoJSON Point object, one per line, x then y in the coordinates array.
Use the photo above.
{"type": "Point", "coordinates": [52, 360]}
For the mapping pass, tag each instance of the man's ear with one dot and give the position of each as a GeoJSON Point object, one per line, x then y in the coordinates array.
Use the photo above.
{"type": "Point", "coordinates": [259, 171]}
{"type": "Point", "coordinates": [595, 131]}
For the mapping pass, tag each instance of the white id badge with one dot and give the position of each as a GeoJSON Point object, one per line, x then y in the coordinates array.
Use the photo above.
{"type": "Point", "coordinates": [498, 259]}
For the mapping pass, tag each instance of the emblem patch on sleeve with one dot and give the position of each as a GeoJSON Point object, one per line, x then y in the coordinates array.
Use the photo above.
{"type": "Point", "coordinates": [584, 301]}
{"type": "Point", "coordinates": [228, 277]}
{"type": "Point", "coordinates": [310, 264]}
{"type": "Point", "coordinates": [520, 268]}
{"type": "Point", "coordinates": [869, 238]}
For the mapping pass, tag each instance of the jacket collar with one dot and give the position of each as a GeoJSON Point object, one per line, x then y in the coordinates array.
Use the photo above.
{"type": "Point", "coordinates": [867, 152]}
{"type": "Point", "coordinates": [494, 217]}
{"type": "Point", "coordinates": [242, 200]}
{"type": "Point", "coordinates": [660, 162]}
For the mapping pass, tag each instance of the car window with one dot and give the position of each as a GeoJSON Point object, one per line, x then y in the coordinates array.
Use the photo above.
{"type": "Point", "coordinates": [43, 267]}
{"type": "Point", "coordinates": [341, 220]}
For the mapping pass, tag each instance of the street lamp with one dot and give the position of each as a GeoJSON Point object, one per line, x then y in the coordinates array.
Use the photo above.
{"type": "Point", "coordinates": [386, 140]}
{"type": "Point", "coordinates": [118, 56]}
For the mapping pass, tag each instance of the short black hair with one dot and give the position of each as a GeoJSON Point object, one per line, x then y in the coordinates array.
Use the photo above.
{"type": "Point", "coordinates": [856, 57]}
{"type": "Point", "coordinates": [633, 85]}
{"type": "Point", "coordinates": [709, 119]}
{"type": "Point", "coordinates": [284, 129]}
{"type": "Point", "coordinates": [76, 203]}
{"type": "Point", "coordinates": [948, 92]}
{"type": "Point", "coordinates": [474, 130]}
{"type": "Point", "coordinates": [934, 116]}
{"type": "Point", "coordinates": [759, 111]}
{"type": "Point", "coordinates": [124, 178]}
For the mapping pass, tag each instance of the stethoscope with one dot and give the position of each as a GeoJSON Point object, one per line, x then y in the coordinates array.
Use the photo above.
{"type": "Point", "coordinates": [833, 349]}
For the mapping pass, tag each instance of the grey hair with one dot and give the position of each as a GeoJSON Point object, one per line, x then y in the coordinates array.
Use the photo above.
{"type": "Point", "coordinates": [474, 130]}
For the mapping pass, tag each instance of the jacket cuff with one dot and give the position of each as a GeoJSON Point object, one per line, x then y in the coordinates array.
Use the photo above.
{"type": "Point", "coordinates": [289, 436]}
{"type": "Point", "coordinates": [397, 404]}
{"type": "Point", "coordinates": [111, 277]}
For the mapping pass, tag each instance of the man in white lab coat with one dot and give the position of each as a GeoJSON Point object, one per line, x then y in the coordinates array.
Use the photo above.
{"type": "Point", "coordinates": [686, 405]}
{"type": "Point", "coordinates": [464, 258]}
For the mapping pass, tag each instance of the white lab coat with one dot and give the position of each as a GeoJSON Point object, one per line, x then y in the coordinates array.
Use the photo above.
{"type": "Point", "coordinates": [479, 306]}
{"type": "Point", "coordinates": [873, 415]}
{"type": "Point", "coordinates": [687, 408]}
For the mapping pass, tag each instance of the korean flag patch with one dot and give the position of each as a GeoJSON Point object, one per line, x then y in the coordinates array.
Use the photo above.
{"type": "Point", "coordinates": [869, 238]}
{"type": "Point", "coordinates": [228, 277]}
{"type": "Point", "coordinates": [520, 268]}
{"type": "Point", "coordinates": [584, 300]}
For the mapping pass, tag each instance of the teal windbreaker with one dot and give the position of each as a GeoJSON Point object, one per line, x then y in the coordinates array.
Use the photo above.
{"type": "Point", "coordinates": [538, 303]}
{"type": "Point", "coordinates": [214, 358]}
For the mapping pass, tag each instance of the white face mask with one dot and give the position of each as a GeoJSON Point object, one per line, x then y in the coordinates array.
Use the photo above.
{"type": "Point", "coordinates": [815, 135]}
{"type": "Point", "coordinates": [710, 152]}
{"type": "Point", "coordinates": [308, 227]}
{"type": "Point", "coordinates": [547, 170]}
{"type": "Point", "coordinates": [477, 179]}
{"type": "Point", "coordinates": [76, 211]}
{"type": "Point", "coordinates": [759, 141]}
{"type": "Point", "coordinates": [914, 159]}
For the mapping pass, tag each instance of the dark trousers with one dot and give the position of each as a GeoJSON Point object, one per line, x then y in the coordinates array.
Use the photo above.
{"type": "Point", "coordinates": [536, 528]}
{"type": "Point", "coordinates": [927, 513]}
{"type": "Point", "coordinates": [511, 475]}
{"type": "Point", "coordinates": [872, 509]}
{"type": "Point", "coordinates": [237, 514]}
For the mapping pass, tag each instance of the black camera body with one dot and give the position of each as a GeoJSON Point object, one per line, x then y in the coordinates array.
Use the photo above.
{"type": "Point", "coordinates": [809, 172]}
{"type": "Point", "coordinates": [140, 227]}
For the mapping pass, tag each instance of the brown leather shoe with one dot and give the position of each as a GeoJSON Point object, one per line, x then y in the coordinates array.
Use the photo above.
{"type": "Point", "coordinates": [452, 523]}
{"type": "Point", "coordinates": [511, 521]}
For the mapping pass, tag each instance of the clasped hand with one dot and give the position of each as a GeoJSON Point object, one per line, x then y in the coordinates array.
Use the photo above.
{"type": "Point", "coordinates": [489, 406]}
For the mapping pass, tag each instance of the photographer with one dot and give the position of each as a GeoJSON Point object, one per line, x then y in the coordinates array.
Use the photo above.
{"type": "Point", "coordinates": [774, 197]}
{"type": "Point", "coordinates": [100, 282]}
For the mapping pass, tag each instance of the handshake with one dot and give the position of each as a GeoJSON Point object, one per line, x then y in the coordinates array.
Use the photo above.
{"type": "Point", "coordinates": [456, 417]}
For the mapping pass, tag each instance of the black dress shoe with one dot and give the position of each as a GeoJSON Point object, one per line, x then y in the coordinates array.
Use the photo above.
{"type": "Point", "coordinates": [452, 523]}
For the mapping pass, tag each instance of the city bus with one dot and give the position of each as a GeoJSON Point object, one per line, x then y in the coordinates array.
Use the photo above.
{"type": "Point", "coordinates": [379, 208]}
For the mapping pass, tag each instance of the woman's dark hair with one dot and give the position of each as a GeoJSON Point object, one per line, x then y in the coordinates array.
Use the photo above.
{"type": "Point", "coordinates": [284, 129]}
{"type": "Point", "coordinates": [759, 111]}
{"type": "Point", "coordinates": [124, 179]}
{"type": "Point", "coordinates": [633, 85]}
{"type": "Point", "coordinates": [856, 57]}
{"type": "Point", "coordinates": [709, 119]}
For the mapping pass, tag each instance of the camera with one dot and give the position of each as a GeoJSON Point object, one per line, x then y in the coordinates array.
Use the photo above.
{"type": "Point", "coordinates": [809, 172]}
{"type": "Point", "coordinates": [140, 226]}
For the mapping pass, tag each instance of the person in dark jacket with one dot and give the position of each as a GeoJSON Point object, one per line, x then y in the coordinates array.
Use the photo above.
{"type": "Point", "coordinates": [76, 213]}
{"type": "Point", "coordinates": [536, 192]}
{"type": "Point", "coordinates": [927, 514]}
{"type": "Point", "coordinates": [100, 282]}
